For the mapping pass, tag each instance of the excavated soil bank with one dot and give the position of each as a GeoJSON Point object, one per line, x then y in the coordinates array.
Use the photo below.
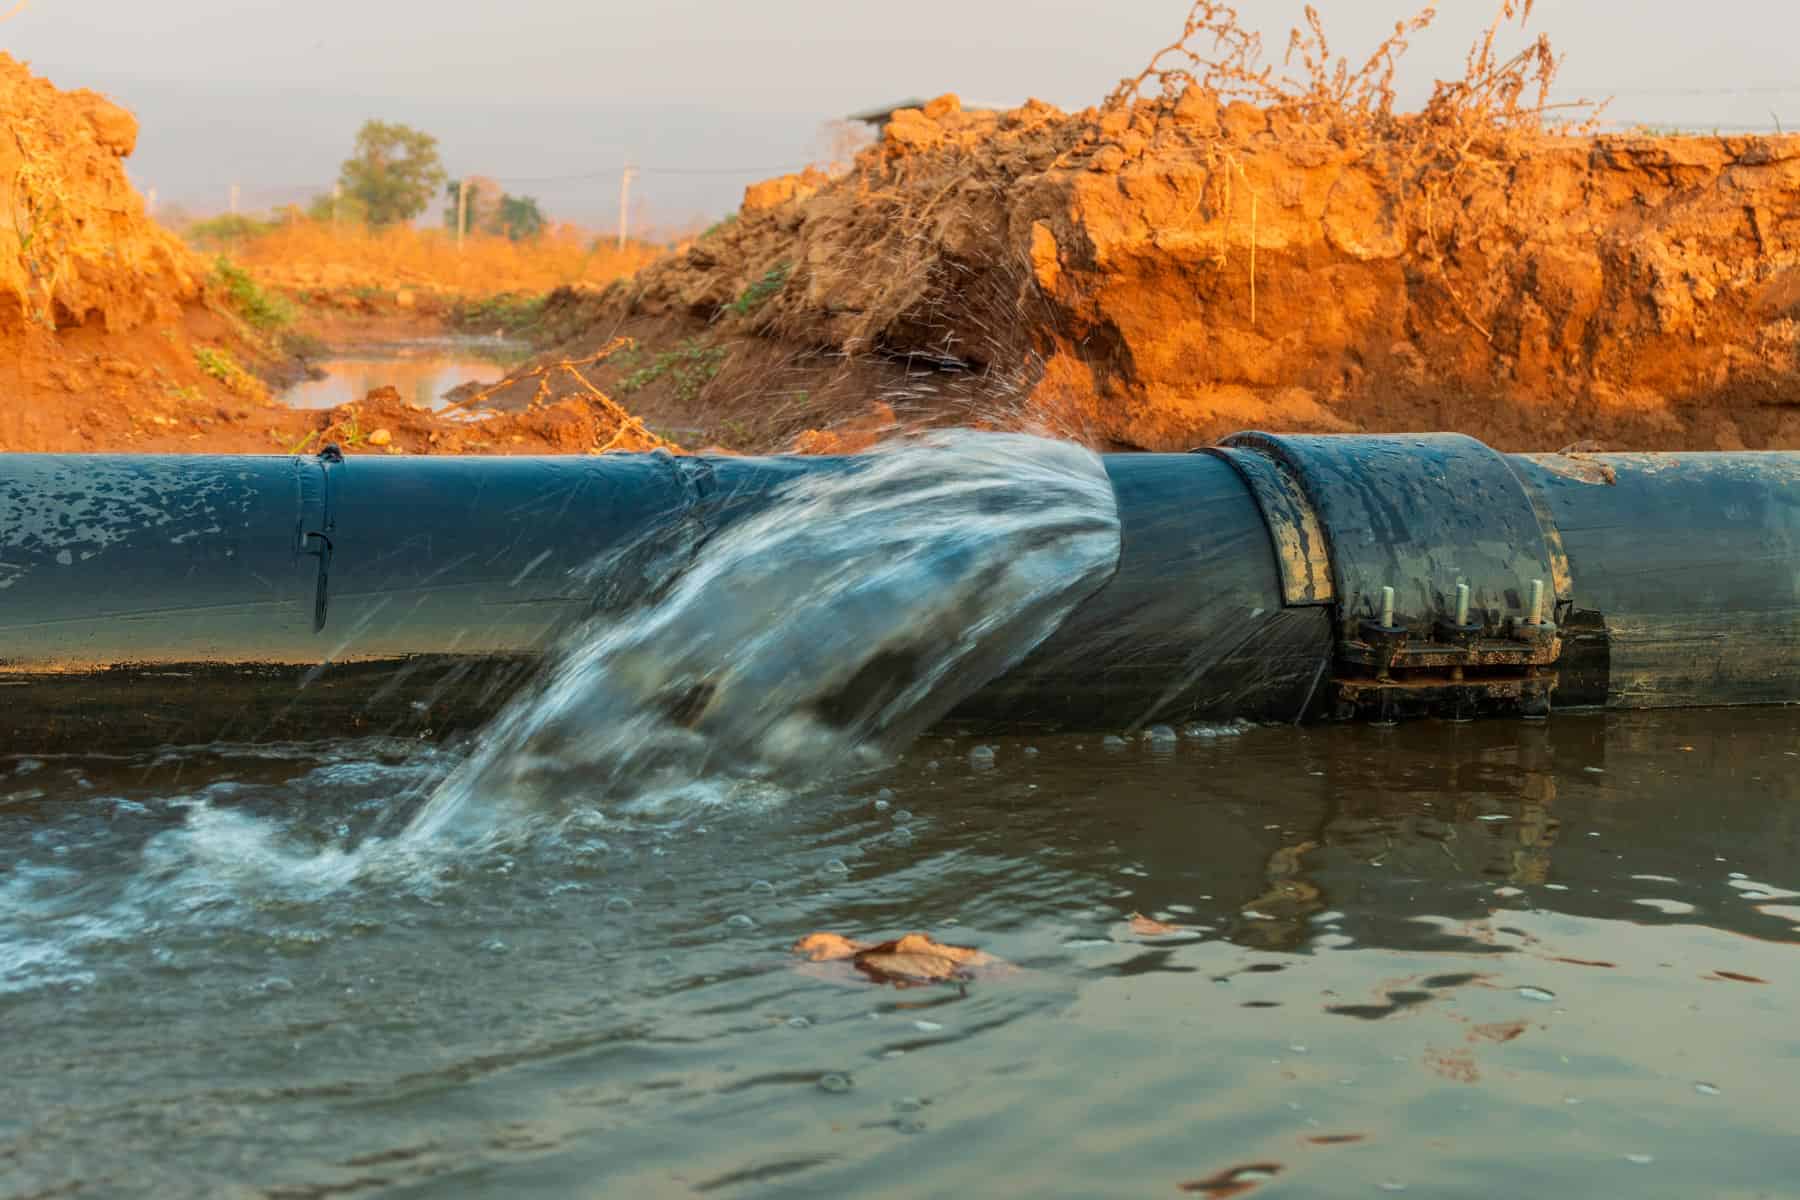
{"type": "Point", "coordinates": [1158, 274]}
{"type": "Point", "coordinates": [115, 336]}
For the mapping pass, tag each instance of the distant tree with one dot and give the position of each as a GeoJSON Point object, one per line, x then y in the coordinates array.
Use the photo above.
{"type": "Point", "coordinates": [484, 204]}
{"type": "Point", "coordinates": [493, 211]}
{"type": "Point", "coordinates": [393, 173]}
{"type": "Point", "coordinates": [520, 218]}
{"type": "Point", "coordinates": [346, 209]}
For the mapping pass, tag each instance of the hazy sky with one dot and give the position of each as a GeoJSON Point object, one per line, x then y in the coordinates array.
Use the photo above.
{"type": "Point", "coordinates": [552, 96]}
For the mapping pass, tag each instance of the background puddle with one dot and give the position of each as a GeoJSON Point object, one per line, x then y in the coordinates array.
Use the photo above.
{"type": "Point", "coordinates": [423, 370]}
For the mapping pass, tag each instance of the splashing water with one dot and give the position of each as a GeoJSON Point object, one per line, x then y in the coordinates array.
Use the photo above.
{"type": "Point", "coordinates": [817, 635]}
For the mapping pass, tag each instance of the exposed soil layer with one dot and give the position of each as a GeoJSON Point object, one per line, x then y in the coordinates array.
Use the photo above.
{"type": "Point", "coordinates": [110, 334]}
{"type": "Point", "coordinates": [1160, 274]}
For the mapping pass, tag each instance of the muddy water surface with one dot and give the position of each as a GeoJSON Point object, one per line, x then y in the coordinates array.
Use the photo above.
{"type": "Point", "coordinates": [422, 370]}
{"type": "Point", "coordinates": [1497, 959]}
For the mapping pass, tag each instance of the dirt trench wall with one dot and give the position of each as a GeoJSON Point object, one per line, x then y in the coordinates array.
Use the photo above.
{"type": "Point", "coordinates": [105, 316]}
{"type": "Point", "coordinates": [75, 243]}
{"type": "Point", "coordinates": [1159, 276]}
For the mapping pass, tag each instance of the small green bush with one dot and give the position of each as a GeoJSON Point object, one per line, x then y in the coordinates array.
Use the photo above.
{"type": "Point", "coordinates": [758, 293]}
{"type": "Point", "coordinates": [689, 368]}
{"type": "Point", "coordinates": [264, 310]}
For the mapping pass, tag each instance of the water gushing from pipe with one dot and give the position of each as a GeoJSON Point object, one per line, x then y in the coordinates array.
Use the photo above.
{"type": "Point", "coordinates": [821, 633]}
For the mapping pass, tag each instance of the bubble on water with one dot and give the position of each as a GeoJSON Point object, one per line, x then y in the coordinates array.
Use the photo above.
{"type": "Point", "coordinates": [881, 805]}
{"type": "Point", "coordinates": [663, 964]}
{"type": "Point", "coordinates": [928, 1027]}
{"type": "Point", "coordinates": [902, 814]}
{"type": "Point", "coordinates": [901, 836]}
{"type": "Point", "coordinates": [1297, 1048]}
{"type": "Point", "coordinates": [1112, 741]}
{"type": "Point", "coordinates": [1539, 994]}
{"type": "Point", "coordinates": [905, 1125]}
{"type": "Point", "coordinates": [835, 1083]}
{"type": "Point", "coordinates": [1707, 1089]}
{"type": "Point", "coordinates": [1391, 1185]}
{"type": "Point", "coordinates": [1494, 817]}
{"type": "Point", "coordinates": [885, 794]}
{"type": "Point", "coordinates": [835, 866]}
{"type": "Point", "coordinates": [495, 946]}
{"type": "Point", "coordinates": [741, 921]}
{"type": "Point", "coordinates": [798, 1023]}
{"type": "Point", "coordinates": [762, 887]}
{"type": "Point", "coordinates": [26, 766]}
{"type": "Point", "coordinates": [933, 765]}
{"type": "Point", "coordinates": [908, 1104]}
{"type": "Point", "coordinates": [1642, 1160]}
{"type": "Point", "coordinates": [618, 905]}
{"type": "Point", "coordinates": [1031, 752]}
{"type": "Point", "coordinates": [275, 985]}
{"type": "Point", "coordinates": [982, 758]}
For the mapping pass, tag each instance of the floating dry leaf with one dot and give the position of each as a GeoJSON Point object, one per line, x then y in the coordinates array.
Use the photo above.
{"type": "Point", "coordinates": [1150, 927]}
{"type": "Point", "coordinates": [905, 962]}
{"type": "Point", "coordinates": [1233, 1181]}
{"type": "Point", "coordinates": [1734, 977]}
{"type": "Point", "coordinates": [1497, 1031]}
{"type": "Point", "coordinates": [828, 947]}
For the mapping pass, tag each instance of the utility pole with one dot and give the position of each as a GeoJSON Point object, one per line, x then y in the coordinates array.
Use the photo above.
{"type": "Point", "coordinates": [234, 199]}
{"type": "Point", "coordinates": [625, 202]}
{"type": "Point", "coordinates": [462, 210]}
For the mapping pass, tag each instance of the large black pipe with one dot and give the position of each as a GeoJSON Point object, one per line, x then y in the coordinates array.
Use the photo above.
{"type": "Point", "coordinates": [149, 600]}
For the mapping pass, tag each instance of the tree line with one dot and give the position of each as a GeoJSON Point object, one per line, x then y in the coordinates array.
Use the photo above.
{"type": "Point", "coordinates": [395, 171]}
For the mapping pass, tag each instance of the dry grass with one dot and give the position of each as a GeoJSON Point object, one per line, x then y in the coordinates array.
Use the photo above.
{"type": "Point", "coordinates": [1216, 53]}
{"type": "Point", "coordinates": [303, 253]}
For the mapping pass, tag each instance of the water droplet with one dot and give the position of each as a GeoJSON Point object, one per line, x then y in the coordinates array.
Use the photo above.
{"type": "Point", "coordinates": [762, 887]}
{"type": "Point", "coordinates": [741, 921]}
{"type": "Point", "coordinates": [618, 904]}
{"type": "Point", "coordinates": [1707, 1089]}
{"type": "Point", "coordinates": [1536, 993]}
{"type": "Point", "coordinates": [835, 1083]}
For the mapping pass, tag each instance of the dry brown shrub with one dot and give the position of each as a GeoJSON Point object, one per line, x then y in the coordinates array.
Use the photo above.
{"type": "Point", "coordinates": [1216, 53]}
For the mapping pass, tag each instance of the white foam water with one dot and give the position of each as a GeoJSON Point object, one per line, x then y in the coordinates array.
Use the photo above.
{"type": "Point", "coordinates": [819, 634]}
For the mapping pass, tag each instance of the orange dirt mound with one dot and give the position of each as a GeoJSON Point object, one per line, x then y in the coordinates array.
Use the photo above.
{"type": "Point", "coordinates": [104, 316]}
{"type": "Point", "coordinates": [1164, 271]}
